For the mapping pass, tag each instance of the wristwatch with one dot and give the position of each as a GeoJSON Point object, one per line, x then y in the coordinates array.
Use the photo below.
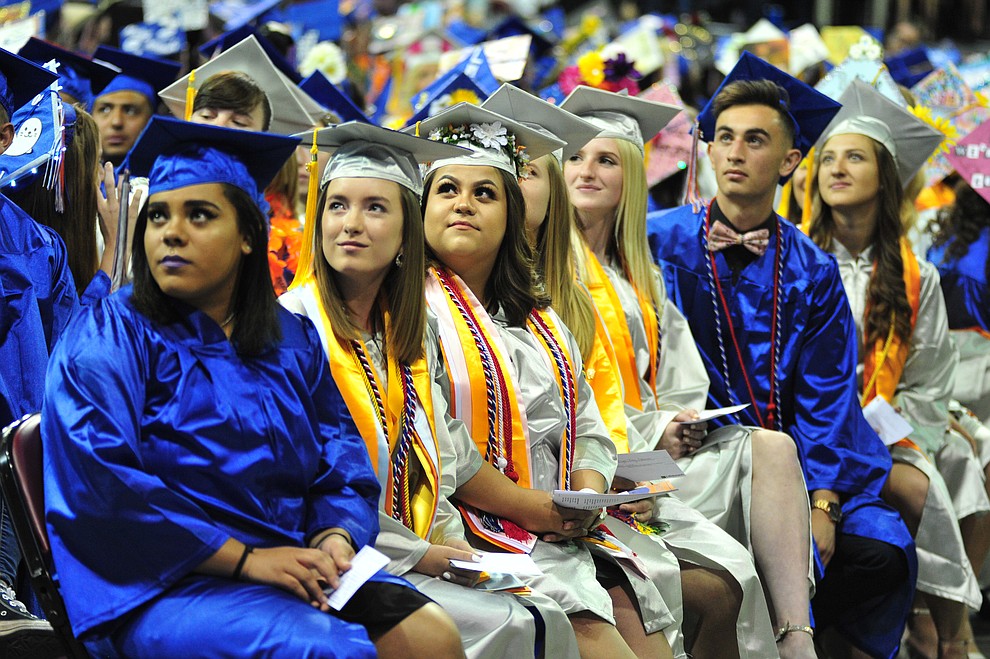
{"type": "Point", "coordinates": [833, 509]}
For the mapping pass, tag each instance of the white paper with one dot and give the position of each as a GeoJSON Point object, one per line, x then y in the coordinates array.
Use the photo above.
{"type": "Point", "coordinates": [708, 415]}
{"type": "Point", "coordinates": [647, 466]}
{"type": "Point", "coordinates": [496, 562]}
{"type": "Point", "coordinates": [364, 565]}
{"type": "Point", "coordinates": [594, 500]}
{"type": "Point", "coordinates": [882, 417]}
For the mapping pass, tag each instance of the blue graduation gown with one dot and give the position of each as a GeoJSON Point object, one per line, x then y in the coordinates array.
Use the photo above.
{"type": "Point", "coordinates": [964, 284]}
{"type": "Point", "coordinates": [161, 443]}
{"type": "Point", "coordinates": [816, 379]}
{"type": "Point", "coordinates": [37, 298]}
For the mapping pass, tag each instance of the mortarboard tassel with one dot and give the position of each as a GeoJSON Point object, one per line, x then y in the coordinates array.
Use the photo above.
{"type": "Point", "coordinates": [304, 269]}
{"type": "Point", "coordinates": [190, 94]}
{"type": "Point", "coordinates": [809, 162]}
{"type": "Point", "coordinates": [784, 207]}
{"type": "Point", "coordinates": [691, 193]}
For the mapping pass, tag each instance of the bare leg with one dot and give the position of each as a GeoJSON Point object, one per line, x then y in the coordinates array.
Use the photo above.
{"type": "Point", "coordinates": [407, 639]}
{"type": "Point", "coordinates": [780, 535]}
{"type": "Point", "coordinates": [597, 638]}
{"type": "Point", "coordinates": [630, 626]}
{"type": "Point", "coordinates": [714, 598]}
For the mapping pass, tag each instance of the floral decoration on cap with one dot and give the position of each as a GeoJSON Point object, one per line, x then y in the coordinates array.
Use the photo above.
{"type": "Point", "coordinates": [488, 136]}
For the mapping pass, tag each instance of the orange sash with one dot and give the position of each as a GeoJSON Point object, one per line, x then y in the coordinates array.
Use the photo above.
{"type": "Point", "coordinates": [407, 408]}
{"type": "Point", "coordinates": [613, 318]}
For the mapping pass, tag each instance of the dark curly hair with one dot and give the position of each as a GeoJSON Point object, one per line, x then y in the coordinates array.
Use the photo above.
{"type": "Point", "coordinates": [960, 224]}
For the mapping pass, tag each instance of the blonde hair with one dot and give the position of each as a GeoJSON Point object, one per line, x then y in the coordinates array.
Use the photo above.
{"type": "Point", "coordinates": [402, 293]}
{"type": "Point", "coordinates": [630, 224]}
{"type": "Point", "coordinates": [555, 261]}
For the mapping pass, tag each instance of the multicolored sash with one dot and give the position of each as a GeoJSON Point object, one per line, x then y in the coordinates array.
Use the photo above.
{"type": "Point", "coordinates": [613, 318]}
{"type": "Point", "coordinates": [884, 364]}
{"type": "Point", "coordinates": [398, 428]}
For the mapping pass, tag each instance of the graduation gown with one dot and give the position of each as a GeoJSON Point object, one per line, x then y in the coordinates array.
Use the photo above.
{"type": "Point", "coordinates": [967, 300]}
{"type": "Point", "coordinates": [37, 298]}
{"type": "Point", "coordinates": [923, 394]}
{"type": "Point", "coordinates": [161, 443]}
{"type": "Point", "coordinates": [819, 408]}
{"type": "Point", "coordinates": [492, 624]}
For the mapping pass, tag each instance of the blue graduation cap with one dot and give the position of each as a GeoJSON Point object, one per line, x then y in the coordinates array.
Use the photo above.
{"type": "Point", "coordinates": [514, 25]}
{"type": "Point", "coordinates": [909, 67]}
{"type": "Point", "coordinates": [21, 81]}
{"type": "Point", "coordinates": [236, 13]}
{"type": "Point", "coordinates": [810, 110]}
{"type": "Point", "coordinates": [175, 154]}
{"type": "Point", "coordinates": [326, 94]}
{"type": "Point", "coordinates": [142, 74]}
{"type": "Point", "coordinates": [472, 74]}
{"type": "Point", "coordinates": [225, 41]}
{"type": "Point", "coordinates": [80, 77]}
{"type": "Point", "coordinates": [465, 33]}
{"type": "Point", "coordinates": [323, 16]}
{"type": "Point", "coordinates": [37, 146]}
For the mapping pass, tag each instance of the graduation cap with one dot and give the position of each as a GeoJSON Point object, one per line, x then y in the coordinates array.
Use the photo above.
{"type": "Point", "coordinates": [228, 40]}
{"type": "Point", "coordinates": [618, 116]}
{"type": "Point", "coordinates": [363, 150]}
{"type": "Point", "coordinates": [909, 67]}
{"type": "Point", "coordinates": [810, 110]}
{"type": "Point", "coordinates": [471, 78]}
{"type": "Point", "coordinates": [80, 77]}
{"type": "Point", "coordinates": [514, 25]}
{"type": "Point", "coordinates": [865, 111]}
{"type": "Point", "coordinates": [175, 154]}
{"type": "Point", "coordinates": [142, 74]}
{"type": "Point", "coordinates": [493, 139]}
{"type": "Point", "coordinates": [533, 112]}
{"type": "Point", "coordinates": [326, 94]}
{"type": "Point", "coordinates": [21, 81]}
{"type": "Point", "coordinates": [971, 158]}
{"type": "Point", "coordinates": [237, 14]}
{"type": "Point", "coordinates": [293, 110]}
{"type": "Point", "coordinates": [37, 147]}
{"type": "Point", "coordinates": [807, 48]}
{"type": "Point", "coordinates": [863, 64]}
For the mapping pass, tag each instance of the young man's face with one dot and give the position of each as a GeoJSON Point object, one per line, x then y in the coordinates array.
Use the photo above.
{"type": "Point", "coordinates": [120, 116]}
{"type": "Point", "coordinates": [253, 120]}
{"type": "Point", "coordinates": [751, 151]}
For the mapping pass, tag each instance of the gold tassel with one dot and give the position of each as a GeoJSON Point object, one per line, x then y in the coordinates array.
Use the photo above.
{"type": "Point", "coordinates": [304, 269]}
{"type": "Point", "coordinates": [808, 182]}
{"type": "Point", "coordinates": [190, 94]}
{"type": "Point", "coordinates": [784, 207]}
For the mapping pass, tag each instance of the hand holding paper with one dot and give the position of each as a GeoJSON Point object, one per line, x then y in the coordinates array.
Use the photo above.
{"type": "Point", "coordinates": [594, 500]}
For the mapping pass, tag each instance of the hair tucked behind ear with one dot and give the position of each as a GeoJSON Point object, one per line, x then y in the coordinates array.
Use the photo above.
{"type": "Point", "coordinates": [886, 295]}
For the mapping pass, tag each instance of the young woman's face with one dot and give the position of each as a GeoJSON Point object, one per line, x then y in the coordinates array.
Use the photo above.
{"type": "Point", "coordinates": [362, 228]}
{"type": "Point", "coordinates": [194, 245]}
{"type": "Point", "coordinates": [849, 174]}
{"type": "Point", "coordinates": [594, 177]}
{"type": "Point", "coordinates": [536, 192]}
{"type": "Point", "coordinates": [465, 215]}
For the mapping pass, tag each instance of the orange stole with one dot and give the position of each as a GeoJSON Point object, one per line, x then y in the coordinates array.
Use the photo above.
{"type": "Point", "coordinates": [600, 371]}
{"type": "Point", "coordinates": [884, 365]}
{"type": "Point", "coordinates": [613, 318]}
{"type": "Point", "coordinates": [360, 395]}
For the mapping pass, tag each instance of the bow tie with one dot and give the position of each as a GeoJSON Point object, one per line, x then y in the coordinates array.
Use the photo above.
{"type": "Point", "coordinates": [721, 236]}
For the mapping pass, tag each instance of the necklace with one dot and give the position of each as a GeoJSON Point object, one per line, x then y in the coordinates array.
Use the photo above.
{"type": "Point", "coordinates": [227, 321]}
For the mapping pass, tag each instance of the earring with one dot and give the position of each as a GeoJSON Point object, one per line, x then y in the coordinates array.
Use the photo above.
{"type": "Point", "coordinates": [398, 260]}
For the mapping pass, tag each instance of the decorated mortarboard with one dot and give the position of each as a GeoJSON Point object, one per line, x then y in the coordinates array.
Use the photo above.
{"type": "Point", "coordinates": [971, 158]}
{"type": "Point", "coordinates": [506, 58]}
{"type": "Point", "coordinates": [909, 67]}
{"type": "Point", "coordinates": [174, 154]}
{"type": "Point", "coordinates": [865, 111]}
{"type": "Point", "coordinates": [492, 139]}
{"type": "Point", "coordinates": [618, 116]}
{"type": "Point", "coordinates": [333, 99]}
{"type": "Point", "coordinates": [533, 112]}
{"type": "Point", "coordinates": [80, 77]}
{"type": "Point", "coordinates": [21, 81]}
{"type": "Point", "coordinates": [292, 109]}
{"type": "Point", "coordinates": [228, 40]}
{"type": "Point", "coordinates": [362, 150]}
{"type": "Point", "coordinates": [810, 110]}
{"type": "Point", "coordinates": [39, 142]}
{"type": "Point", "coordinates": [864, 63]}
{"type": "Point", "coordinates": [144, 75]}
{"type": "Point", "coordinates": [671, 150]}
{"type": "Point", "coordinates": [807, 48]}
{"type": "Point", "coordinates": [840, 38]}
{"type": "Point", "coordinates": [470, 81]}
{"type": "Point", "coordinates": [515, 25]}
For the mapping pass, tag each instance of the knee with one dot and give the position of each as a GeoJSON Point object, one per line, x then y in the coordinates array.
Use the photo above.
{"type": "Point", "coordinates": [907, 490]}
{"type": "Point", "coordinates": [711, 594]}
{"type": "Point", "coordinates": [775, 448]}
{"type": "Point", "coordinates": [441, 641]}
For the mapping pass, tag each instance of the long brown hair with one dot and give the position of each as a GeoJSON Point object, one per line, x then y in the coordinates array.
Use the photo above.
{"type": "Point", "coordinates": [512, 284]}
{"type": "Point", "coordinates": [961, 224]}
{"type": "Point", "coordinates": [402, 293]}
{"type": "Point", "coordinates": [555, 261]}
{"type": "Point", "coordinates": [886, 295]}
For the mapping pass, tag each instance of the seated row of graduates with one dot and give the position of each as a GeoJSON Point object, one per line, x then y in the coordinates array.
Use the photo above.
{"type": "Point", "coordinates": [216, 435]}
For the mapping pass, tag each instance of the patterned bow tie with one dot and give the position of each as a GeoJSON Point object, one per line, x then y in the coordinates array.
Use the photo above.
{"type": "Point", "coordinates": [721, 236]}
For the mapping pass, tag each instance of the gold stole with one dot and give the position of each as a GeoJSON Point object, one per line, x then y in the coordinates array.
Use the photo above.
{"type": "Point", "coordinates": [884, 365]}
{"type": "Point", "coordinates": [613, 318]}
{"type": "Point", "coordinates": [600, 371]}
{"type": "Point", "coordinates": [361, 390]}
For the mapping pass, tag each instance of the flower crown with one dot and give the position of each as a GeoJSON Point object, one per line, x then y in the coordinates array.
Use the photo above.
{"type": "Point", "coordinates": [485, 136]}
